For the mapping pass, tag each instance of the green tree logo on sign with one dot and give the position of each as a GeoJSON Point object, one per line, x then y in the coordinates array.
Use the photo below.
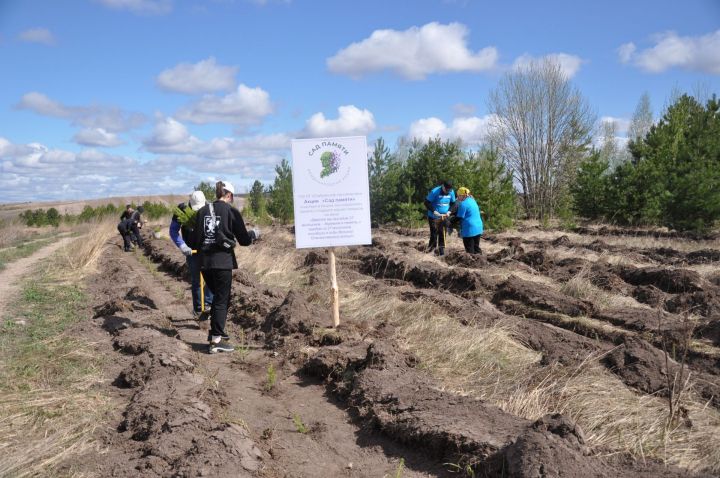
{"type": "Point", "coordinates": [330, 162]}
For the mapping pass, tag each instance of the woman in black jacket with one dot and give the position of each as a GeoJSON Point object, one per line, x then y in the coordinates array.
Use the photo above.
{"type": "Point", "coordinates": [218, 226]}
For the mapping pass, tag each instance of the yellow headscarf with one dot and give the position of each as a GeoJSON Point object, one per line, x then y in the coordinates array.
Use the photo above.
{"type": "Point", "coordinates": [463, 191]}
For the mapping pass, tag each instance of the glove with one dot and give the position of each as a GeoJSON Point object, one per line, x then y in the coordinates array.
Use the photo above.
{"type": "Point", "coordinates": [186, 250]}
{"type": "Point", "coordinates": [435, 213]}
{"type": "Point", "coordinates": [254, 234]}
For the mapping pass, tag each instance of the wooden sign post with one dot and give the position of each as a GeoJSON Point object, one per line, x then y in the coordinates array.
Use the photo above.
{"type": "Point", "coordinates": [331, 199]}
{"type": "Point", "coordinates": [335, 300]}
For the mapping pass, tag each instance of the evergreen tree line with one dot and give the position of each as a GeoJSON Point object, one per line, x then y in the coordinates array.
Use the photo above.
{"type": "Point", "coordinates": [400, 181]}
{"type": "Point", "coordinates": [672, 177]}
{"type": "Point", "coordinates": [52, 217]}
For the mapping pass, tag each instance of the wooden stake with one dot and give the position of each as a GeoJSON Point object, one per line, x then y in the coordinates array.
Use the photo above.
{"type": "Point", "coordinates": [335, 301]}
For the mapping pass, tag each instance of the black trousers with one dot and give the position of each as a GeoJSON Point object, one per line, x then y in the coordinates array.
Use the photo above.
{"type": "Point", "coordinates": [135, 233]}
{"type": "Point", "coordinates": [437, 234]}
{"type": "Point", "coordinates": [472, 244]}
{"type": "Point", "coordinates": [219, 281]}
{"type": "Point", "coordinates": [127, 244]}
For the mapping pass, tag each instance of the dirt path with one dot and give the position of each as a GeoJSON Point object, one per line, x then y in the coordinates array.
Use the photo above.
{"type": "Point", "coordinates": [11, 275]}
{"type": "Point", "coordinates": [154, 321]}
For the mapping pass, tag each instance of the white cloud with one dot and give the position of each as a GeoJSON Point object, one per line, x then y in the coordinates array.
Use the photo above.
{"type": "Point", "coordinates": [413, 53]}
{"type": "Point", "coordinates": [38, 35]}
{"type": "Point", "coordinates": [201, 77]}
{"type": "Point", "coordinates": [351, 120]}
{"type": "Point", "coordinates": [171, 136]}
{"type": "Point", "coordinates": [626, 51]}
{"type": "Point", "coordinates": [96, 137]}
{"type": "Point", "coordinates": [698, 53]}
{"type": "Point", "coordinates": [141, 7]}
{"type": "Point", "coordinates": [569, 64]}
{"type": "Point", "coordinates": [109, 118]}
{"type": "Point", "coordinates": [245, 106]}
{"type": "Point", "coordinates": [36, 172]}
{"type": "Point", "coordinates": [471, 130]}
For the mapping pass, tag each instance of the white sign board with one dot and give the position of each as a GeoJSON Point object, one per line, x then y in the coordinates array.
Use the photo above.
{"type": "Point", "coordinates": [330, 192]}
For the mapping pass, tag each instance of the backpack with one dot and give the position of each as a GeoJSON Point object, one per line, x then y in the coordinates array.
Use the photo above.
{"type": "Point", "coordinates": [221, 242]}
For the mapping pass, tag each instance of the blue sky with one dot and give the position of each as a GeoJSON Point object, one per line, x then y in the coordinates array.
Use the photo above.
{"type": "Point", "coordinates": [126, 97]}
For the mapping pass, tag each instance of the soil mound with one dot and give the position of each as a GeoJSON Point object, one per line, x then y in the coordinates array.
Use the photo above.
{"type": "Point", "coordinates": [641, 366]}
{"type": "Point", "coordinates": [294, 316]}
{"type": "Point", "coordinates": [541, 297]}
{"type": "Point", "coordinates": [669, 280]}
{"type": "Point", "coordinates": [463, 259]}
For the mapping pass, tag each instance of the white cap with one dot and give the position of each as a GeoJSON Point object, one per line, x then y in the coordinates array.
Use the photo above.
{"type": "Point", "coordinates": [228, 187]}
{"type": "Point", "coordinates": [197, 200]}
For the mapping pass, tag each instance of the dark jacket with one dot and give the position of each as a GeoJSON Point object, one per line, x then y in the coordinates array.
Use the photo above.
{"type": "Point", "coordinates": [229, 222]}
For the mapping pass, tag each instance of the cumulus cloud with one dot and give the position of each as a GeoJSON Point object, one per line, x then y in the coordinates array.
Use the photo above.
{"type": "Point", "coordinates": [569, 64]}
{"type": "Point", "coordinates": [96, 137]}
{"type": "Point", "coordinates": [695, 53]}
{"type": "Point", "coordinates": [245, 106]}
{"type": "Point", "coordinates": [413, 53]}
{"type": "Point", "coordinates": [36, 172]}
{"type": "Point", "coordinates": [140, 7]}
{"type": "Point", "coordinates": [38, 35]}
{"type": "Point", "coordinates": [470, 131]}
{"type": "Point", "coordinates": [111, 119]}
{"type": "Point", "coordinates": [351, 120]}
{"type": "Point", "coordinates": [201, 77]}
{"type": "Point", "coordinates": [171, 136]}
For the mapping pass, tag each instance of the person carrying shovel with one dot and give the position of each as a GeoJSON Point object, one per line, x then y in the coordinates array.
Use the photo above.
{"type": "Point", "coordinates": [181, 227]}
{"type": "Point", "coordinates": [438, 203]}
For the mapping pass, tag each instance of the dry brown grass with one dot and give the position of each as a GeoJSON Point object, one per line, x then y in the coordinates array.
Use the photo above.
{"type": "Point", "coordinates": [491, 364]}
{"type": "Point", "coordinates": [50, 405]}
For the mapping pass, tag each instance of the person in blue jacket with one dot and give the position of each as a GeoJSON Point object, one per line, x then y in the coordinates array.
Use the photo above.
{"type": "Point", "coordinates": [471, 224]}
{"type": "Point", "coordinates": [180, 235]}
{"type": "Point", "coordinates": [438, 203]}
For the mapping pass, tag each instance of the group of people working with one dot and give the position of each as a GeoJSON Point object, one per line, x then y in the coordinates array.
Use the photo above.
{"type": "Point", "coordinates": [129, 227]}
{"type": "Point", "coordinates": [445, 210]}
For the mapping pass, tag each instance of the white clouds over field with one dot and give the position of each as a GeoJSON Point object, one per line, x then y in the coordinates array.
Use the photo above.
{"type": "Point", "coordinates": [413, 53]}
{"type": "Point", "coordinates": [109, 118]}
{"type": "Point", "coordinates": [351, 120]}
{"type": "Point", "coordinates": [670, 50]}
{"type": "Point", "coordinates": [244, 106]}
{"type": "Point", "coordinates": [202, 77]}
{"type": "Point", "coordinates": [471, 131]}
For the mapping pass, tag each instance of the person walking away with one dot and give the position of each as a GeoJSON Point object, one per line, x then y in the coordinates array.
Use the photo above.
{"type": "Point", "coordinates": [217, 226]}
{"type": "Point", "coordinates": [180, 235]}
{"type": "Point", "coordinates": [438, 203]}
{"type": "Point", "coordinates": [471, 223]}
{"type": "Point", "coordinates": [135, 224]}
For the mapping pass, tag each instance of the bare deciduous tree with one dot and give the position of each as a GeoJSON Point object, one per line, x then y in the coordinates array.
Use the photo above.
{"type": "Point", "coordinates": [542, 125]}
{"type": "Point", "coordinates": [641, 120]}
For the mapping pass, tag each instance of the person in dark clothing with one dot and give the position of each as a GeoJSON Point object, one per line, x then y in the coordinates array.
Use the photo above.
{"type": "Point", "coordinates": [127, 212]}
{"type": "Point", "coordinates": [181, 235]}
{"type": "Point", "coordinates": [217, 226]}
{"type": "Point", "coordinates": [135, 223]}
{"type": "Point", "coordinates": [438, 203]}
